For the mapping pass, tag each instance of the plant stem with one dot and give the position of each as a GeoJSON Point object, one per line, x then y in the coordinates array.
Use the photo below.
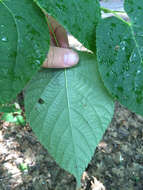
{"type": "Point", "coordinates": [50, 27]}
{"type": "Point", "coordinates": [53, 33]}
{"type": "Point", "coordinates": [115, 13]}
{"type": "Point", "coordinates": [111, 11]}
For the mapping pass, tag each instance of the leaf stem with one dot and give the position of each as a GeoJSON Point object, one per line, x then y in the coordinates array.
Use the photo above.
{"type": "Point", "coordinates": [111, 11]}
{"type": "Point", "coordinates": [115, 13]}
{"type": "Point", "coordinates": [49, 25]}
{"type": "Point", "coordinates": [53, 33]}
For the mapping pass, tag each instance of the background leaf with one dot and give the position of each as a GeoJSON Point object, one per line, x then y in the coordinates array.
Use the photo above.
{"type": "Point", "coordinates": [120, 56]}
{"type": "Point", "coordinates": [7, 108]}
{"type": "Point", "coordinates": [69, 111]}
{"type": "Point", "coordinates": [24, 43]}
{"type": "Point", "coordinates": [78, 17]}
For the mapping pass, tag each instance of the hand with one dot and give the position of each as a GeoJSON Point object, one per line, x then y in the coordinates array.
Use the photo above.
{"type": "Point", "coordinates": [59, 57]}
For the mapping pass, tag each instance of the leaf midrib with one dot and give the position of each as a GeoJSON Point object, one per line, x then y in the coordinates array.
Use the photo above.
{"type": "Point", "coordinates": [132, 32]}
{"type": "Point", "coordinates": [69, 114]}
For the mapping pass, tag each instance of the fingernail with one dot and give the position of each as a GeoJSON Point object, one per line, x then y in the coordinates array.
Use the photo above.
{"type": "Point", "coordinates": [71, 59]}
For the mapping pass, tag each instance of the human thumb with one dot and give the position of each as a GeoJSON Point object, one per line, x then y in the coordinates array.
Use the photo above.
{"type": "Point", "coordinates": [60, 58]}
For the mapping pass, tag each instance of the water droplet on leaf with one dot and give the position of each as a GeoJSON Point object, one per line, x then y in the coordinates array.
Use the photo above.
{"type": "Point", "coordinates": [4, 39]}
{"type": "Point", "coordinates": [139, 71]}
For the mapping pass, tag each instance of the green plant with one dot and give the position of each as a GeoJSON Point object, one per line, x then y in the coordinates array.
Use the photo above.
{"type": "Point", "coordinates": [70, 109]}
{"type": "Point", "coordinates": [23, 167]}
{"type": "Point", "coordinates": [15, 117]}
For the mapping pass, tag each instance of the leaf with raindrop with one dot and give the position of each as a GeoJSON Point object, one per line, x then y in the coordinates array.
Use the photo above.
{"type": "Point", "coordinates": [120, 56]}
{"type": "Point", "coordinates": [24, 42]}
{"type": "Point", "coordinates": [80, 17]}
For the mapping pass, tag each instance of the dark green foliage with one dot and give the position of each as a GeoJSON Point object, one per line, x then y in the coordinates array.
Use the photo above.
{"type": "Point", "coordinates": [120, 56]}
{"type": "Point", "coordinates": [24, 43]}
{"type": "Point", "coordinates": [78, 17]}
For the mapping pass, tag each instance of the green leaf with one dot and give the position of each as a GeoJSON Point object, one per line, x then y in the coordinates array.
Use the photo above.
{"type": "Point", "coordinates": [20, 120]}
{"type": "Point", "coordinates": [24, 43]}
{"type": "Point", "coordinates": [78, 17]}
{"type": "Point", "coordinates": [23, 167]}
{"type": "Point", "coordinates": [120, 56]}
{"type": "Point", "coordinates": [9, 117]}
{"type": "Point", "coordinates": [15, 117]}
{"type": "Point", "coordinates": [69, 111]}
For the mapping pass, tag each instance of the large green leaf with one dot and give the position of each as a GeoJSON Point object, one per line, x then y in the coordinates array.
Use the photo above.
{"type": "Point", "coordinates": [120, 56]}
{"type": "Point", "coordinates": [78, 17]}
{"type": "Point", "coordinates": [69, 111]}
{"type": "Point", "coordinates": [24, 42]}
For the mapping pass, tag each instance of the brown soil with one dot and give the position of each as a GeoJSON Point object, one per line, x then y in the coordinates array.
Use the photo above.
{"type": "Point", "coordinates": [117, 163]}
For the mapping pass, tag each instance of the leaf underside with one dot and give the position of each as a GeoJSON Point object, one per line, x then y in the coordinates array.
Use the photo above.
{"type": "Point", "coordinates": [24, 43]}
{"type": "Point", "coordinates": [78, 17]}
{"type": "Point", "coordinates": [120, 56]}
{"type": "Point", "coordinates": [69, 111]}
